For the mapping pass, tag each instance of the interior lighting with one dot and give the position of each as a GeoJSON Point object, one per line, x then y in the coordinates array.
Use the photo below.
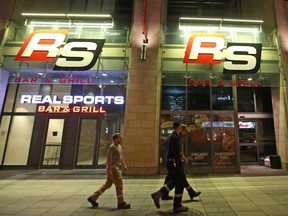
{"type": "Point", "coordinates": [217, 24]}
{"type": "Point", "coordinates": [69, 20]}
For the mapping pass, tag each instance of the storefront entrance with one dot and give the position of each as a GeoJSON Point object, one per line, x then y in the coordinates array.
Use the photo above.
{"type": "Point", "coordinates": [53, 142]}
{"type": "Point", "coordinates": [71, 141]}
{"type": "Point", "coordinates": [256, 137]}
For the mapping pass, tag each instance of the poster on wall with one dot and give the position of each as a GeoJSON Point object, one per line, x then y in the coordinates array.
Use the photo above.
{"type": "Point", "coordinates": [198, 142]}
{"type": "Point", "coordinates": [223, 135]}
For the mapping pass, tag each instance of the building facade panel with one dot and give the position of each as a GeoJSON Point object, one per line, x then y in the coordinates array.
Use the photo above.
{"type": "Point", "coordinates": [216, 71]}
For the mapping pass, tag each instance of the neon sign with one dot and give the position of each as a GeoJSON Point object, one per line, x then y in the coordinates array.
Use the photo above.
{"type": "Point", "coordinates": [66, 109]}
{"type": "Point", "coordinates": [70, 99]}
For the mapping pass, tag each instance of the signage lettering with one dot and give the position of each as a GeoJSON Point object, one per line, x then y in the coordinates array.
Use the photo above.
{"type": "Point", "coordinates": [247, 83]}
{"type": "Point", "coordinates": [66, 109]}
{"type": "Point", "coordinates": [76, 54]}
{"type": "Point", "coordinates": [69, 99]}
{"type": "Point", "coordinates": [239, 58]}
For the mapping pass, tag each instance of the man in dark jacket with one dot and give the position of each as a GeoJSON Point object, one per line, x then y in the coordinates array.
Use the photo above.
{"type": "Point", "coordinates": [174, 165]}
{"type": "Point", "coordinates": [191, 192]}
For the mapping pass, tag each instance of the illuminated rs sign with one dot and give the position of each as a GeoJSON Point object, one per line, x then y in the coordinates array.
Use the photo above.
{"type": "Point", "coordinates": [45, 45]}
{"type": "Point", "coordinates": [239, 58]}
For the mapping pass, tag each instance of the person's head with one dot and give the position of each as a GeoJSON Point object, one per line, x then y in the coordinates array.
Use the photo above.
{"type": "Point", "coordinates": [177, 127]}
{"type": "Point", "coordinates": [117, 138]}
{"type": "Point", "coordinates": [184, 129]}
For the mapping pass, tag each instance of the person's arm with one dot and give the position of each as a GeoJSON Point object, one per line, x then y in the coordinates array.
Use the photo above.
{"type": "Point", "coordinates": [123, 164]}
{"type": "Point", "coordinates": [184, 159]}
{"type": "Point", "coordinates": [109, 161]}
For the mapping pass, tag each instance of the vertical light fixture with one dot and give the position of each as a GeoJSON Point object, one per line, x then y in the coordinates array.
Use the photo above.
{"type": "Point", "coordinates": [143, 54]}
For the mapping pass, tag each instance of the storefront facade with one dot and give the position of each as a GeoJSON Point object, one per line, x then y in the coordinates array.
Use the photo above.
{"type": "Point", "coordinates": [217, 74]}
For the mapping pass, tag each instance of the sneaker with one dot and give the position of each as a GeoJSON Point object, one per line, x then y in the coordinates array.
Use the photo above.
{"type": "Point", "coordinates": [93, 202]}
{"type": "Point", "coordinates": [156, 196]}
{"type": "Point", "coordinates": [166, 197]}
{"type": "Point", "coordinates": [124, 205]}
{"type": "Point", "coordinates": [193, 195]}
{"type": "Point", "coordinates": [180, 209]}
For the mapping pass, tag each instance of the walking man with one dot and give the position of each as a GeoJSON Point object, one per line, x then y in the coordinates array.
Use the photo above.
{"type": "Point", "coordinates": [191, 192]}
{"type": "Point", "coordinates": [114, 163]}
{"type": "Point", "coordinates": [174, 158]}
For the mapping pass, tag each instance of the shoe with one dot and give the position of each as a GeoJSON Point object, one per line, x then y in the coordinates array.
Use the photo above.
{"type": "Point", "coordinates": [195, 194]}
{"type": "Point", "coordinates": [156, 198]}
{"type": "Point", "coordinates": [124, 205]}
{"type": "Point", "coordinates": [93, 203]}
{"type": "Point", "coordinates": [180, 209]}
{"type": "Point", "coordinates": [166, 197]}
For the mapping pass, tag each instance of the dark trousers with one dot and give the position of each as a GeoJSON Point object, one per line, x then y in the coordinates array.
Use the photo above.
{"type": "Point", "coordinates": [177, 180]}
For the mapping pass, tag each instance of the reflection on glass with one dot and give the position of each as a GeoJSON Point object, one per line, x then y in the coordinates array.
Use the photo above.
{"type": "Point", "coordinates": [19, 140]}
{"type": "Point", "coordinates": [87, 142]}
{"type": "Point", "coordinates": [26, 90]}
{"type": "Point", "coordinates": [173, 98]}
{"type": "Point", "coordinates": [247, 132]}
{"type": "Point", "coordinates": [222, 98]}
{"type": "Point", "coordinates": [248, 153]}
{"type": "Point", "coordinates": [3, 134]}
{"type": "Point", "coordinates": [108, 128]}
{"type": "Point", "coordinates": [53, 142]}
{"type": "Point", "coordinates": [9, 100]}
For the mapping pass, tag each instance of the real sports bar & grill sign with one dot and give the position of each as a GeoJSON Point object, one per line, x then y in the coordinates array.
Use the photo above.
{"type": "Point", "coordinates": [239, 58]}
{"type": "Point", "coordinates": [72, 104]}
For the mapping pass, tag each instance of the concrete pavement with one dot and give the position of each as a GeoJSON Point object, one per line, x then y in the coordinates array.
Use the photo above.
{"type": "Point", "coordinates": [53, 193]}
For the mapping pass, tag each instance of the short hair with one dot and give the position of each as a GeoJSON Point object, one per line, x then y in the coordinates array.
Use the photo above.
{"type": "Point", "coordinates": [176, 125]}
{"type": "Point", "coordinates": [115, 136]}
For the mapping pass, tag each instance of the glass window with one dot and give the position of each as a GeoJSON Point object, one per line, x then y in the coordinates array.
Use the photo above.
{"type": "Point", "coordinates": [199, 98]}
{"type": "Point", "coordinates": [263, 100]}
{"type": "Point", "coordinates": [107, 90]}
{"type": "Point", "coordinates": [19, 140]}
{"type": "Point", "coordinates": [3, 134]}
{"type": "Point", "coordinates": [53, 142]}
{"type": "Point", "coordinates": [198, 144]}
{"type": "Point", "coordinates": [9, 100]}
{"type": "Point", "coordinates": [26, 90]}
{"type": "Point", "coordinates": [87, 142]}
{"type": "Point", "coordinates": [245, 98]}
{"type": "Point", "coordinates": [60, 91]}
{"type": "Point", "coordinates": [222, 98]}
{"type": "Point", "coordinates": [173, 98]}
{"type": "Point", "coordinates": [223, 136]}
{"type": "Point", "coordinates": [108, 128]}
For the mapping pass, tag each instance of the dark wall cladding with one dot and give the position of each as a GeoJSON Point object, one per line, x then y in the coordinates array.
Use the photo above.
{"type": "Point", "coordinates": [214, 8]}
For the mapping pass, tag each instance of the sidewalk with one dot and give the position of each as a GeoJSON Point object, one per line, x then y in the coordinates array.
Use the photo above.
{"type": "Point", "coordinates": [48, 192]}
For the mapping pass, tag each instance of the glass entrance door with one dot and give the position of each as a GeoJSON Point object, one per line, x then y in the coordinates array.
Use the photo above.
{"type": "Point", "coordinates": [53, 143]}
{"type": "Point", "coordinates": [94, 139]}
{"type": "Point", "coordinates": [247, 142]}
{"type": "Point", "coordinates": [87, 142]}
{"type": "Point", "coordinates": [256, 138]}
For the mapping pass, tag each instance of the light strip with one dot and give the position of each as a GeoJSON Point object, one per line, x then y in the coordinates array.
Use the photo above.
{"type": "Point", "coordinates": [200, 19]}
{"type": "Point", "coordinates": [89, 15]}
{"type": "Point", "coordinates": [38, 23]}
{"type": "Point", "coordinates": [217, 23]}
{"type": "Point", "coordinates": [71, 24]}
{"type": "Point", "coordinates": [65, 15]}
{"type": "Point", "coordinates": [67, 20]}
{"type": "Point", "coordinates": [43, 14]}
{"type": "Point", "coordinates": [245, 21]}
